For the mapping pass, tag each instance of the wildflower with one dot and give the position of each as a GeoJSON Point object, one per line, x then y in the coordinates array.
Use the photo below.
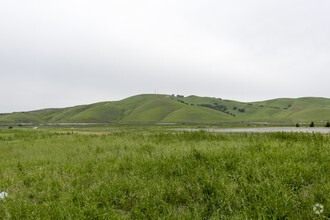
{"type": "Point", "coordinates": [318, 208]}
{"type": "Point", "coordinates": [3, 195]}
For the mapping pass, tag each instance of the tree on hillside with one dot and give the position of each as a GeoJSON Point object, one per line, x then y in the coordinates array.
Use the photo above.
{"type": "Point", "coordinates": [297, 125]}
{"type": "Point", "coordinates": [311, 125]}
{"type": "Point", "coordinates": [327, 125]}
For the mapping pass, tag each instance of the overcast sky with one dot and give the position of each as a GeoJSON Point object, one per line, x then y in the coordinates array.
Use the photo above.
{"type": "Point", "coordinates": [69, 52]}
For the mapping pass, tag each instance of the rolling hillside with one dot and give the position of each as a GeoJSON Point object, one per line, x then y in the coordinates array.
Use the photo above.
{"type": "Point", "coordinates": [178, 109]}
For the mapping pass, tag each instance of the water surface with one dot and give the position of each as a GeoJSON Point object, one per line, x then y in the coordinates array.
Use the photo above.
{"type": "Point", "coordinates": [323, 130]}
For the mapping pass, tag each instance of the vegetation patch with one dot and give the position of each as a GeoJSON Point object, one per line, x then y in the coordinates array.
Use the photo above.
{"type": "Point", "coordinates": [175, 175]}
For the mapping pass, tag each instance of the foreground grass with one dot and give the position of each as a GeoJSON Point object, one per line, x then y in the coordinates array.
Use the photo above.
{"type": "Point", "coordinates": [163, 175]}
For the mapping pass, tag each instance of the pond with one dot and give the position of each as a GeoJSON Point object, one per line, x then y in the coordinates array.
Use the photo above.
{"type": "Point", "coordinates": [322, 130]}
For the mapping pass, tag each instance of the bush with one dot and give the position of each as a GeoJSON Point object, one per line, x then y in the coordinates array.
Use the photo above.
{"type": "Point", "coordinates": [311, 125]}
{"type": "Point", "coordinates": [297, 125]}
{"type": "Point", "coordinates": [327, 124]}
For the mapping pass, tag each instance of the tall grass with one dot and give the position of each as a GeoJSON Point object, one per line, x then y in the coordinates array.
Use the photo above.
{"type": "Point", "coordinates": [163, 175]}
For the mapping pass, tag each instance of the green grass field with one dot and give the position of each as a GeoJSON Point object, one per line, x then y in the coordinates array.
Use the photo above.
{"type": "Point", "coordinates": [49, 174]}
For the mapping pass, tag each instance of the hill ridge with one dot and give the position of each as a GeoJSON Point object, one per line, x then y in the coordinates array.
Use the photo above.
{"type": "Point", "coordinates": [155, 108]}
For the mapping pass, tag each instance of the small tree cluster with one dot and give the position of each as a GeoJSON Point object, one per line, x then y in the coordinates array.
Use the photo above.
{"type": "Point", "coordinates": [327, 124]}
{"type": "Point", "coordinates": [217, 107]}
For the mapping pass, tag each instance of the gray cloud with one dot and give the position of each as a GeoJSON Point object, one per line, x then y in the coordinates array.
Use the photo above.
{"type": "Point", "coordinates": [63, 53]}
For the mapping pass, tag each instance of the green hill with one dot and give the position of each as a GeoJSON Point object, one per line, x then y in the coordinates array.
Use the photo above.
{"type": "Point", "coordinates": [152, 108]}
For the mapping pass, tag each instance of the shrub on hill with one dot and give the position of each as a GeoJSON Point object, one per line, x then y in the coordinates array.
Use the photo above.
{"type": "Point", "coordinates": [311, 124]}
{"type": "Point", "coordinates": [327, 124]}
{"type": "Point", "coordinates": [217, 107]}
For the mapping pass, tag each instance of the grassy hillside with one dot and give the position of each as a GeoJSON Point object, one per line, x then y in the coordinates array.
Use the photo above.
{"type": "Point", "coordinates": [151, 108]}
{"type": "Point", "coordinates": [19, 117]}
{"type": "Point", "coordinates": [276, 110]}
